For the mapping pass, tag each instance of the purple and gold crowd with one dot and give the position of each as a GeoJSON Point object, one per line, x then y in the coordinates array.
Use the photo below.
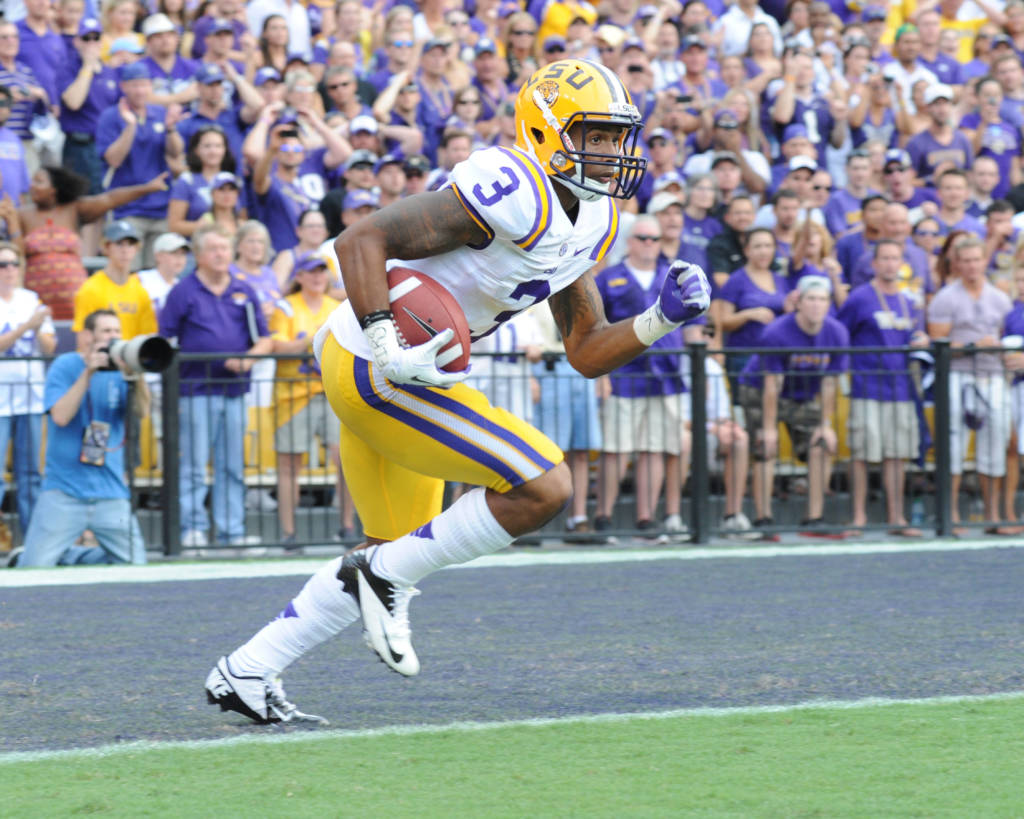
{"type": "Point", "coordinates": [848, 174]}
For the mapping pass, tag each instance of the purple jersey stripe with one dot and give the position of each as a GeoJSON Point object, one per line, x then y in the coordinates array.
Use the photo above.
{"type": "Point", "coordinates": [464, 412]}
{"type": "Point", "coordinates": [474, 214]}
{"type": "Point", "coordinates": [364, 385]}
{"type": "Point", "coordinates": [605, 241]}
{"type": "Point", "coordinates": [543, 219]}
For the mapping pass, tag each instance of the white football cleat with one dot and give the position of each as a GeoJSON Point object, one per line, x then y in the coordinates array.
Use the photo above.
{"type": "Point", "coordinates": [262, 699]}
{"type": "Point", "coordinates": [385, 611]}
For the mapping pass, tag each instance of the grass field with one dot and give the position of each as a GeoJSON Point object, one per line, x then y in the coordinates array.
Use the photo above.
{"type": "Point", "coordinates": [939, 758]}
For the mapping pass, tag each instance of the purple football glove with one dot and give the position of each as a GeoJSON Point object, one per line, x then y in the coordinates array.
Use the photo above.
{"type": "Point", "coordinates": [686, 293]}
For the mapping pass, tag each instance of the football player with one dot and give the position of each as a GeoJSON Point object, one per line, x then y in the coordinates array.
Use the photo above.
{"type": "Point", "coordinates": [514, 226]}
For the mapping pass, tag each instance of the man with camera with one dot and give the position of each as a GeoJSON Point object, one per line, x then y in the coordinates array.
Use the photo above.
{"type": "Point", "coordinates": [87, 398]}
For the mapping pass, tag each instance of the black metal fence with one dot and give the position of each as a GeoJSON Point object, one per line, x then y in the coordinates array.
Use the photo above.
{"type": "Point", "coordinates": [208, 473]}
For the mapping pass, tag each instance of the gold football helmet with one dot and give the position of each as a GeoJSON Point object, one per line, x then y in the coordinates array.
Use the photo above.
{"type": "Point", "coordinates": [569, 92]}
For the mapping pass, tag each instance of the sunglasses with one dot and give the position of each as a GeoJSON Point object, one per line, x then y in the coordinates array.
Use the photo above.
{"type": "Point", "coordinates": [293, 149]}
{"type": "Point", "coordinates": [9, 264]}
{"type": "Point", "coordinates": [646, 238]}
{"type": "Point", "coordinates": [468, 102]}
{"type": "Point", "coordinates": [410, 89]}
{"type": "Point", "coordinates": [931, 233]}
{"type": "Point", "coordinates": [126, 242]}
{"type": "Point", "coordinates": [891, 171]}
{"type": "Point", "coordinates": [338, 85]}
{"type": "Point", "coordinates": [90, 38]}
{"type": "Point", "coordinates": [554, 50]}
{"type": "Point", "coordinates": [828, 188]}
{"type": "Point", "coordinates": [403, 43]}
{"type": "Point", "coordinates": [522, 32]}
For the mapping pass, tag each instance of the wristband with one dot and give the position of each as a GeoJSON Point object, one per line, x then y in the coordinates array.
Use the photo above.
{"type": "Point", "coordinates": [651, 324]}
{"type": "Point", "coordinates": [374, 317]}
{"type": "Point", "coordinates": [383, 340]}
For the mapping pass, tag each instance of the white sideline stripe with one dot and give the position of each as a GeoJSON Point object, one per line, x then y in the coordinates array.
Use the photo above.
{"type": "Point", "coordinates": [277, 738]}
{"type": "Point", "coordinates": [237, 569]}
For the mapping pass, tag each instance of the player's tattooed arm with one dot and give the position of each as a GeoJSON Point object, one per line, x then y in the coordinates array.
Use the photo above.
{"type": "Point", "coordinates": [428, 224]}
{"type": "Point", "coordinates": [592, 345]}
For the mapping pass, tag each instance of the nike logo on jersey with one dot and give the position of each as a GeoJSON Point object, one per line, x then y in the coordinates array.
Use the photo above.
{"type": "Point", "coordinates": [424, 325]}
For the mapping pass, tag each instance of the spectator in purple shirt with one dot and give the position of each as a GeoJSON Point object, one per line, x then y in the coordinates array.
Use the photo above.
{"type": "Point", "coordinates": [87, 87]}
{"type": "Point", "coordinates": [699, 226]}
{"type": "Point", "coordinates": [211, 311]}
{"type": "Point", "coordinates": [208, 154]}
{"type": "Point", "coordinates": [794, 100]}
{"type": "Point", "coordinates": [940, 146]}
{"type": "Point", "coordinates": [30, 98]}
{"type": "Point", "coordinates": [41, 48]}
{"type": "Point", "coordinates": [798, 389]}
{"type": "Point", "coordinates": [946, 68]}
{"type": "Point", "coordinates": [173, 75]}
{"type": "Point", "coordinates": [216, 12]}
{"type": "Point", "coordinates": [953, 191]}
{"type": "Point", "coordinates": [991, 135]}
{"type": "Point", "coordinates": [883, 414]}
{"type": "Point", "coordinates": [899, 178]}
{"type": "Point", "coordinates": [843, 210]}
{"type": "Point", "coordinates": [985, 179]}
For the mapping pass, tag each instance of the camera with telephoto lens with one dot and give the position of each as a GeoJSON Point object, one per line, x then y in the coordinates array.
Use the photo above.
{"type": "Point", "coordinates": [142, 354]}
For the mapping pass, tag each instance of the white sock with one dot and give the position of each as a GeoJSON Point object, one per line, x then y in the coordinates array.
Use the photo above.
{"type": "Point", "coordinates": [464, 531]}
{"type": "Point", "coordinates": [318, 612]}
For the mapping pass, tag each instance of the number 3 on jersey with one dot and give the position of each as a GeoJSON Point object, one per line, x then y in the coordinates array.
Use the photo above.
{"type": "Point", "coordinates": [534, 291]}
{"type": "Point", "coordinates": [498, 191]}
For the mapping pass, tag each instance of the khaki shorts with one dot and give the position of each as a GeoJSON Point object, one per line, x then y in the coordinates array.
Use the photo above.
{"type": "Point", "coordinates": [882, 430]}
{"type": "Point", "coordinates": [800, 417]}
{"type": "Point", "coordinates": [648, 424]}
{"type": "Point", "coordinates": [296, 435]}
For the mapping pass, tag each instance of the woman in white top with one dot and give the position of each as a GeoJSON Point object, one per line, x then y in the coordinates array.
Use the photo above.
{"type": "Point", "coordinates": [25, 330]}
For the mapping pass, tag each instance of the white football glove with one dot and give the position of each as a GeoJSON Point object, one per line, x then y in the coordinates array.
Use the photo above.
{"type": "Point", "coordinates": [409, 365]}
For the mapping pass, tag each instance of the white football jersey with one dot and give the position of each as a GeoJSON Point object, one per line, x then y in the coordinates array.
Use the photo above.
{"type": "Point", "coordinates": [532, 251]}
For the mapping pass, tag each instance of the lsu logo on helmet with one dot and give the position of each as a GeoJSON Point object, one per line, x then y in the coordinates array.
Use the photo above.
{"type": "Point", "coordinates": [567, 93]}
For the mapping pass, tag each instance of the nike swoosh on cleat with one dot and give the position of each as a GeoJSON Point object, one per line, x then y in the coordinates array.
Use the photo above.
{"type": "Point", "coordinates": [394, 655]}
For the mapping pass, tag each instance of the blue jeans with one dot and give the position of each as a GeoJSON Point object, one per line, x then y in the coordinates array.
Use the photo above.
{"type": "Point", "coordinates": [84, 159]}
{"type": "Point", "coordinates": [26, 431]}
{"type": "Point", "coordinates": [59, 519]}
{"type": "Point", "coordinates": [217, 423]}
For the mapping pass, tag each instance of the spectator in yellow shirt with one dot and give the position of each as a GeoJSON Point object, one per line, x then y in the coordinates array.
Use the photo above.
{"type": "Point", "coordinates": [116, 287]}
{"type": "Point", "coordinates": [301, 407]}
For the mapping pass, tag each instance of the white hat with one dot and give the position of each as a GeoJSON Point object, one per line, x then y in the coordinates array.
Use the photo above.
{"type": "Point", "coordinates": [169, 242]}
{"type": "Point", "coordinates": [157, 24]}
{"type": "Point", "coordinates": [661, 201]}
{"type": "Point", "coordinates": [814, 282]}
{"type": "Point", "coordinates": [802, 163]}
{"type": "Point", "coordinates": [363, 122]}
{"type": "Point", "coordinates": [939, 91]}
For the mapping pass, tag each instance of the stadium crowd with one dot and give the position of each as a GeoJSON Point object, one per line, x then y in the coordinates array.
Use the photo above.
{"type": "Point", "coordinates": [848, 174]}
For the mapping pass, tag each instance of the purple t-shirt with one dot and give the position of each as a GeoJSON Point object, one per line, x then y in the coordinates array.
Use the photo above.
{"type": "Point", "coordinates": [843, 211]}
{"type": "Point", "coordinates": [103, 94]}
{"type": "Point", "coordinates": [181, 75]}
{"type": "Point", "coordinates": [741, 292]}
{"type": "Point", "coordinates": [205, 323]}
{"type": "Point", "coordinates": [884, 131]}
{"type": "Point", "coordinates": [1014, 326]}
{"type": "Point", "coordinates": [915, 273]}
{"type": "Point", "coordinates": [803, 369]}
{"type": "Point", "coordinates": [193, 188]}
{"type": "Point", "coordinates": [948, 70]}
{"type": "Point", "coordinates": [1002, 143]}
{"type": "Point", "coordinates": [693, 241]}
{"type": "Point", "coordinates": [279, 209]}
{"type": "Point", "coordinates": [880, 376]}
{"type": "Point", "coordinates": [624, 297]}
{"type": "Point", "coordinates": [968, 223]}
{"type": "Point", "coordinates": [145, 159]}
{"type": "Point", "coordinates": [264, 285]}
{"type": "Point", "coordinates": [927, 153]}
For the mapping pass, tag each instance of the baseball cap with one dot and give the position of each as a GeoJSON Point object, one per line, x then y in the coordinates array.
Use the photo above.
{"type": "Point", "coordinates": [225, 178]}
{"type": "Point", "coordinates": [795, 131]}
{"type": "Point", "coordinates": [89, 25]}
{"type": "Point", "coordinates": [633, 42]}
{"type": "Point", "coordinates": [121, 229]}
{"type": "Point", "coordinates": [726, 119]}
{"type": "Point", "coordinates": [554, 43]}
{"type": "Point", "coordinates": [939, 91]}
{"type": "Point", "coordinates": [360, 157]}
{"type": "Point", "coordinates": [661, 133]}
{"type": "Point", "coordinates": [814, 282]}
{"type": "Point", "coordinates": [297, 57]}
{"type": "Point", "coordinates": [363, 124]}
{"type": "Point", "coordinates": [873, 13]}
{"type": "Point", "coordinates": [266, 74]}
{"type": "Point", "coordinates": [435, 42]}
{"type": "Point", "coordinates": [311, 261]}
{"type": "Point", "coordinates": [724, 156]}
{"type": "Point", "coordinates": [361, 198]}
{"type": "Point", "coordinates": [508, 8]}
{"type": "Point", "coordinates": [1001, 39]}
{"type": "Point", "coordinates": [662, 200]}
{"type": "Point", "coordinates": [645, 11]}
{"type": "Point", "coordinates": [668, 178]}
{"type": "Point", "coordinates": [906, 28]}
{"type": "Point", "coordinates": [221, 25]}
{"type": "Point", "coordinates": [899, 156]}
{"type": "Point", "coordinates": [133, 71]}
{"type": "Point", "coordinates": [157, 24]}
{"type": "Point", "coordinates": [802, 163]}
{"type": "Point", "coordinates": [693, 42]}
{"type": "Point", "coordinates": [388, 159]}
{"type": "Point", "coordinates": [417, 163]}
{"type": "Point", "coordinates": [169, 242]}
{"type": "Point", "coordinates": [613, 35]}
{"type": "Point", "coordinates": [485, 45]}
{"type": "Point", "coordinates": [209, 73]}
{"type": "Point", "coordinates": [129, 44]}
